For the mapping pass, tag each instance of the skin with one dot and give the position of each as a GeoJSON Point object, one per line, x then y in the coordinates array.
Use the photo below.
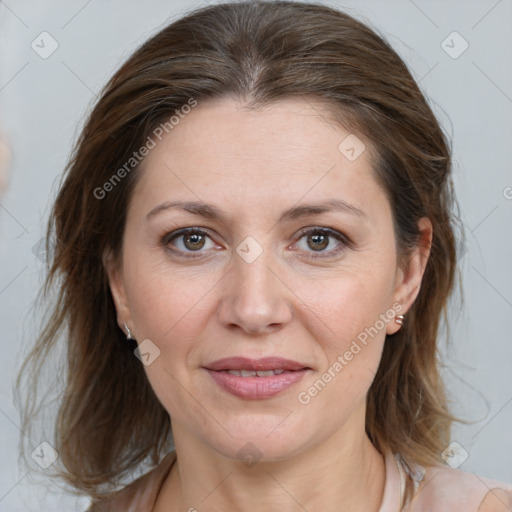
{"type": "Point", "coordinates": [254, 165]}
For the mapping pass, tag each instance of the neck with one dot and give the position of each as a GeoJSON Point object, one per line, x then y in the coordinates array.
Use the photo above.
{"type": "Point", "coordinates": [342, 472]}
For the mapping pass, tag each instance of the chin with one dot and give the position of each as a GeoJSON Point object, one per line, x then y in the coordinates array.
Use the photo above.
{"type": "Point", "coordinates": [266, 439]}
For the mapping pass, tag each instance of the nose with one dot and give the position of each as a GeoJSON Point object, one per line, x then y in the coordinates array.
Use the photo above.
{"type": "Point", "coordinates": [254, 299]}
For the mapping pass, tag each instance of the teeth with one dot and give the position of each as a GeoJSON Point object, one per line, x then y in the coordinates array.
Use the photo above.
{"type": "Point", "coordinates": [252, 373]}
{"type": "Point", "coordinates": [265, 373]}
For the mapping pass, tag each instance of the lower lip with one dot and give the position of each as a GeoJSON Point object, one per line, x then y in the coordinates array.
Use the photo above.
{"type": "Point", "coordinates": [256, 388]}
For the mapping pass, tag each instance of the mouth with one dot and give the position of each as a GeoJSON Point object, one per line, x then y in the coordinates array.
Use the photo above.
{"type": "Point", "coordinates": [265, 364]}
{"type": "Point", "coordinates": [252, 373]}
{"type": "Point", "coordinates": [256, 379]}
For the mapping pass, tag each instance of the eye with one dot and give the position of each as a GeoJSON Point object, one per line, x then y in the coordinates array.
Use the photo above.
{"type": "Point", "coordinates": [189, 240]}
{"type": "Point", "coordinates": [323, 241]}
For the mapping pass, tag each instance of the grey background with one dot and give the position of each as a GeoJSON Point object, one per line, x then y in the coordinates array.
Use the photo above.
{"type": "Point", "coordinates": [42, 104]}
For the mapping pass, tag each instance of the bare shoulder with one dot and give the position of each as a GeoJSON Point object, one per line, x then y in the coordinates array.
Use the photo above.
{"type": "Point", "coordinates": [496, 500]}
{"type": "Point", "coordinates": [453, 490]}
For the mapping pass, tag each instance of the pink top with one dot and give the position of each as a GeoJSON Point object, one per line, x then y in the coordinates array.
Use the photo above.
{"type": "Point", "coordinates": [437, 489]}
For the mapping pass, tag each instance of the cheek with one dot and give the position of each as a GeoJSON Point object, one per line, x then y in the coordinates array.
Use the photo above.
{"type": "Point", "coordinates": [343, 306]}
{"type": "Point", "coordinates": [172, 312]}
{"type": "Point", "coordinates": [350, 361]}
{"type": "Point", "coordinates": [165, 305]}
{"type": "Point", "coordinates": [347, 317]}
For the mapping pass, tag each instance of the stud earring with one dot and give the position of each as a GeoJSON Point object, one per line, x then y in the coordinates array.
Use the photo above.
{"type": "Point", "coordinates": [128, 332]}
{"type": "Point", "coordinates": [399, 319]}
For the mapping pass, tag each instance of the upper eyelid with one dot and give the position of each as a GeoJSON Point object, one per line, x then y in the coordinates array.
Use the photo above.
{"type": "Point", "coordinates": [302, 232]}
{"type": "Point", "coordinates": [171, 235]}
{"type": "Point", "coordinates": [309, 229]}
{"type": "Point", "coordinates": [329, 231]}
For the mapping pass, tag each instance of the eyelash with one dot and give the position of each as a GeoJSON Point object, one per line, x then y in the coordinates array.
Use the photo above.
{"type": "Point", "coordinates": [331, 233]}
{"type": "Point", "coordinates": [315, 230]}
{"type": "Point", "coordinates": [169, 237]}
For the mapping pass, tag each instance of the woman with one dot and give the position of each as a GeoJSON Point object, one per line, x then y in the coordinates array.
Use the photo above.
{"type": "Point", "coordinates": [255, 245]}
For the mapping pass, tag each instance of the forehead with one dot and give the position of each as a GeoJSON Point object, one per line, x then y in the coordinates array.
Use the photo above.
{"type": "Point", "coordinates": [289, 130]}
{"type": "Point", "coordinates": [283, 151]}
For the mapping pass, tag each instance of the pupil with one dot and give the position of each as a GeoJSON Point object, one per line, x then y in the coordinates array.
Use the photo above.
{"type": "Point", "coordinates": [194, 241]}
{"type": "Point", "coordinates": [320, 242]}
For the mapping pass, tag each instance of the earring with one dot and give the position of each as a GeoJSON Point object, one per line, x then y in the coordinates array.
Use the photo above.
{"type": "Point", "coordinates": [399, 319]}
{"type": "Point", "coordinates": [128, 332]}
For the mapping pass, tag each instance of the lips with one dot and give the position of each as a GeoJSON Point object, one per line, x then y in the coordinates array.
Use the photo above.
{"type": "Point", "coordinates": [263, 364]}
{"type": "Point", "coordinates": [255, 379]}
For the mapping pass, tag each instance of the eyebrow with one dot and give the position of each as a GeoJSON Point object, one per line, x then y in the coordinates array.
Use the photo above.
{"type": "Point", "coordinates": [212, 212]}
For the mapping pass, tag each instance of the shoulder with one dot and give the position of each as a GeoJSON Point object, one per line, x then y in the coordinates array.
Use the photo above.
{"type": "Point", "coordinates": [453, 490]}
{"type": "Point", "coordinates": [140, 495]}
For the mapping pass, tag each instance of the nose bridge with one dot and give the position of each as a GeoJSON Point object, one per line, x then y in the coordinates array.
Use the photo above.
{"type": "Point", "coordinates": [254, 282]}
{"type": "Point", "coordinates": [255, 299]}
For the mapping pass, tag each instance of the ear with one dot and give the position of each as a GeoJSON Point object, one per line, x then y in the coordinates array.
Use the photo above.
{"type": "Point", "coordinates": [113, 268]}
{"type": "Point", "coordinates": [408, 279]}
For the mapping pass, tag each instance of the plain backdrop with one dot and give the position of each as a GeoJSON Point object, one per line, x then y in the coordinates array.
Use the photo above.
{"type": "Point", "coordinates": [42, 106]}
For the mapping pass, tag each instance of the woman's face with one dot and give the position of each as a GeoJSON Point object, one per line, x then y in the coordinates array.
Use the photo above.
{"type": "Point", "coordinates": [261, 235]}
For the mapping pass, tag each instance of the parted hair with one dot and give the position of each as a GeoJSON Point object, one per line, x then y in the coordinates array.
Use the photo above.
{"type": "Point", "coordinates": [109, 421]}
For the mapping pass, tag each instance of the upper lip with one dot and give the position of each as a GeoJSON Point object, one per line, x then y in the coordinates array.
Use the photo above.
{"type": "Point", "coordinates": [264, 363]}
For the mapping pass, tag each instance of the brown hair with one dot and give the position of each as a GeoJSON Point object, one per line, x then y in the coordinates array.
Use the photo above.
{"type": "Point", "coordinates": [109, 419]}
